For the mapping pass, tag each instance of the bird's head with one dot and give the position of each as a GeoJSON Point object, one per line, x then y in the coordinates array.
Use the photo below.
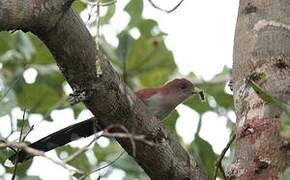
{"type": "Point", "coordinates": [178, 90]}
{"type": "Point", "coordinates": [161, 101]}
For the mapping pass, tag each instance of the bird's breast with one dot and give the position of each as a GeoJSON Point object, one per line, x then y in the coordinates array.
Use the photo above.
{"type": "Point", "coordinates": [158, 106]}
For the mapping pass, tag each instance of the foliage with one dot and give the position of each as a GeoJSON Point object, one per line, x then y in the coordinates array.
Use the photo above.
{"type": "Point", "coordinates": [285, 175]}
{"type": "Point", "coordinates": [205, 153]}
{"type": "Point", "coordinates": [147, 62]}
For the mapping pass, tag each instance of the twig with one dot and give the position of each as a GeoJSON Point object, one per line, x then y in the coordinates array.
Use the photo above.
{"type": "Point", "coordinates": [126, 135]}
{"type": "Point", "coordinates": [198, 127]}
{"type": "Point", "coordinates": [23, 121]}
{"type": "Point", "coordinates": [29, 131]}
{"type": "Point", "coordinates": [22, 146]}
{"type": "Point", "coordinates": [130, 137]}
{"type": "Point", "coordinates": [36, 152]}
{"type": "Point", "coordinates": [164, 10]}
{"type": "Point", "coordinates": [101, 4]}
{"type": "Point", "coordinates": [19, 140]}
{"type": "Point", "coordinates": [109, 135]}
{"type": "Point", "coordinates": [11, 126]}
{"type": "Point", "coordinates": [10, 87]}
{"type": "Point", "coordinates": [90, 14]}
{"type": "Point", "coordinates": [108, 3]}
{"type": "Point", "coordinates": [110, 163]}
{"type": "Point", "coordinates": [218, 164]}
{"type": "Point", "coordinates": [57, 105]}
{"type": "Point", "coordinates": [103, 167]}
{"type": "Point", "coordinates": [80, 151]}
{"type": "Point", "coordinates": [98, 26]}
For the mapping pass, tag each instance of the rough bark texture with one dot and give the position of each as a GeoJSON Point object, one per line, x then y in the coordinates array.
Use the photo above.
{"type": "Point", "coordinates": [107, 97]}
{"type": "Point", "coordinates": [262, 47]}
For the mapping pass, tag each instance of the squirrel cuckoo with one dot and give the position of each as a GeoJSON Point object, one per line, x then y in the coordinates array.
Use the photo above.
{"type": "Point", "coordinates": [160, 101]}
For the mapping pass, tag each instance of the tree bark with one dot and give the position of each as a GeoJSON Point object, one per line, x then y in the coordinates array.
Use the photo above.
{"type": "Point", "coordinates": [262, 47]}
{"type": "Point", "coordinates": [108, 98]}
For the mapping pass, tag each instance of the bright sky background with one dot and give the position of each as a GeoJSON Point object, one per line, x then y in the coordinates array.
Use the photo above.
{"type": "Point", "coordinates": [200, 34]}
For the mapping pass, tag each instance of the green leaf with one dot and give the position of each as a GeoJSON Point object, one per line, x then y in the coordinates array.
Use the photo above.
{"type": "Point", "coordinates": [22, 123]}
{"type": "Point", "coordinates": [53, 80]}
{"type": "Point", "coordinates": [129, 165]}
{"type": "Point", "coordinates": [9, 56]}
{"type": "Point", "coordinates": [5, 42]}
{"type": "Point", "coordinates": [170, 120]}
{"type": "Point", "coordinates": [133, 176]}
{"type": "Point", "coordinates": [7, 101]}
{"type": "Point", "coordinates": [218, 92]}
{"type": "Point", "coordinates": [150, 61]}
{"type": "Point", "coordinates": [109, 14]}
{"type": "Point", "coordinates": [81, 162]}
{"type": "Point", "coordinates": [79, 6]}
{"type": "Point", "coordinates": [134, 9]}
{"type": "Point", "coordinates": [21, 169]}
{"type": "Point", "coordinates": [103, 154]}
{"type": "Point", "coordinates": [78, 175]}
{"type": "Point", "coordinates": [37, 97]}
{"type": "Point", "coordinates": [285, 175]}
{"type": "Point", "coordinates": [125, 162]}
{"type": "Point", "coordinates": [146, 27]}
{"type": "Point", "coordinates": [262, 94]}
{"type": "Point", "coordinates": [5, 154]}
{"type": "Point", "coordinates": [46, 69]}
{"type": "Point", "coordinates": [43, 55]}
{"type": "Point", "coordinates": [214, 88]}
{"type": "Point", "coordinates": [111, 54]}
{"type": "Point", "coordinates": [195, 103]}
{"type": "Point", "coordinates": [285, 125]}
{"type": "Point", "coordinates": [7, 97]}
{"type": "Point", "coordinates": [106, 1]}
{"type": "Point", "coordinates": [49, 74]}
{"type": "Point", "coordinates": [136, 175]}
{"type": "Point", "coordinates": [125, 45]}
{"type": "Point", "coordinates": [77, 109]}
{"type": "Point", "coordinates": [268, 98]}
{"type": "Point", "coordinates": [24, 45]}
{"type": "Point", "coordinates": [31, 178]}
{"type": "Point", "coordinates": [205, 153]}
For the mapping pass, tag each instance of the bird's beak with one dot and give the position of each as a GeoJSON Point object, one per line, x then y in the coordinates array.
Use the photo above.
{"type": "Point", "coordinates": [197, 90]}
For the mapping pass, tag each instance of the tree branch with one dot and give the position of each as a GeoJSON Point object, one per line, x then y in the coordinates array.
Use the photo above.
{"type": "Point", "coordinates": [107, 96]}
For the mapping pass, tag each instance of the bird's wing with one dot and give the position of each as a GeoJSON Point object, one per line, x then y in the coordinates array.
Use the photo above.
{"type": "Point", "coordinates": [59, 138]}
{"type": "Point", "coordinates": [145, 94]}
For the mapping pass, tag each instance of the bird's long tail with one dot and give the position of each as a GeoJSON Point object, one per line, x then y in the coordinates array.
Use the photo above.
{"type": "Point", "coordinates": [59, 138]}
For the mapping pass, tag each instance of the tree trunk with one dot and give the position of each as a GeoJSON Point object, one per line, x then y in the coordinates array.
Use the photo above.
{"type": "Point", "coordinates": [262, 48]}
{"type": "Point", "coordinates": [108, 98]}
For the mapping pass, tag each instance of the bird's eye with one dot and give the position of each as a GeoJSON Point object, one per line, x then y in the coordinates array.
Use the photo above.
{"type": "Point", "coordinates": [183, 86]}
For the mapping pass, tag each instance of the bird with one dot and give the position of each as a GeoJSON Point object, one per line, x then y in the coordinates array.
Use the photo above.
{"type": "Point", "coordinates": [160, 102]}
